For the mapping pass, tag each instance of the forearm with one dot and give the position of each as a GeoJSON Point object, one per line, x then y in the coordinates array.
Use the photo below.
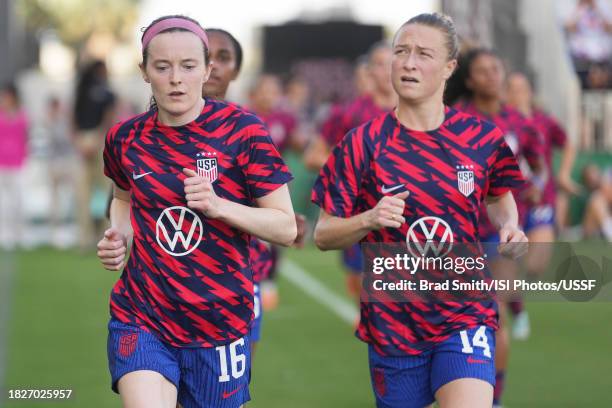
{"type": "Point", "coordinates": [339, 233]}
{"type": "Point", "coordinates": [120, 217]}
{"type": "Point", "coordinates": [269, 224]}
{"type": "Point", "coordinates": [502, 211]}
{"type": "Point", "coordinates": [567, 161]}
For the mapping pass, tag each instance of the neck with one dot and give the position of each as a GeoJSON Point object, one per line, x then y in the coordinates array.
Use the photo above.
{"type": "Point", "coordinates": [169, 119]}
{"type": "Point", "coordinates": [526, 110]}
{"type": "Point", "coordinates": [487, 105]}
{"type": "Point", "coordinates": [421, 116]}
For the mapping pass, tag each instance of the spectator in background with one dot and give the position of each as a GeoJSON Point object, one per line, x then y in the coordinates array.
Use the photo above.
{"type": "Point", "coordinates": [589, 29]}
{"type": "Point", "coordinates": [62, 161]}
{"type": "Point", "coordinates": [597, 219]}
{"type": "Point", "coordinates": [13, 154]}
{"type": "Point", "coordinates": [93, 112]}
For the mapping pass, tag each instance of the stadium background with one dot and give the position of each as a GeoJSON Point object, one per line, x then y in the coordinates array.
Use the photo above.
{"type": "Point", "coordinates": [54, 301]}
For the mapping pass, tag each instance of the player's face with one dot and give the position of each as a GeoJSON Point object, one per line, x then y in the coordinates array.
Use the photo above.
{"type": "Point", "coordinates": [224, 69]}
{"type": "Point", "coordinates": [486, 77]}
{"type": "Point", "coordinates": [267, 94]}
{"type": "Point", "coordinates": [420, 63]}
{"type": "Point", "coordinates": [380, 69]}
{"type": "Point", "coordinates": [363, 79]}
{"type": "Point", "coordinates": [176, 71]}
{"type": "Point", "coordinates": [518, 91]}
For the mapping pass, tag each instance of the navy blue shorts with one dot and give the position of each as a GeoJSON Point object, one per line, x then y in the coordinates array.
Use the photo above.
{"type": "Point", "coordinates": [204, 377]}
{"type": "Point", "coordinates": [255, 333]}
{"type": "Point", "coordinates": [540, 216]}
{"type": "Point", "coordinates": [352, 258]}
{"type": "Point", "coordinates": [412, 381]}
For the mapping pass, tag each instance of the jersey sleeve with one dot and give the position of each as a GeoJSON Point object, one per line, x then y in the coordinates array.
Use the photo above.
{"type": "Point", "coordinates": [336, 190]}
{"type": "Point", "coordinates": [558, 137]}
{"type": "Point", "coordinates": [504, 173]}
{"type": "Point", "coordinates": [113, 152]}
{"type": "Point", "coordinates": [262, 164]}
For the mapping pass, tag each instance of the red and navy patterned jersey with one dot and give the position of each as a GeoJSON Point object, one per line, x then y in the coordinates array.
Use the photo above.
{"type": "Point", "coordinates": [382, 155]}
{"type": "Point", "coordinates": [262, 259]}
{"type": "Point", "coordinates": [526, 143]}
{"type": "Point", "coordinates": [343, 119]}
{"type": "Point", "coordinates": [188, 279]}
{"type": "Point", "coordinates": [554, 137]}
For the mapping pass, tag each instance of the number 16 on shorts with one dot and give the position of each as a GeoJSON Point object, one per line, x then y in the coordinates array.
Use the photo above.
{"type": "Point", "coordinates": [233, 359]}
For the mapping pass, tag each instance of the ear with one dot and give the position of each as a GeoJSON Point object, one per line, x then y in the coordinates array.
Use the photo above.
{"type": "Point", "coordinates": [208, 71]}
{"type": "Point", "coordinates": [143, 72]}
{"type": "Point", "coordinates": [450, 68]}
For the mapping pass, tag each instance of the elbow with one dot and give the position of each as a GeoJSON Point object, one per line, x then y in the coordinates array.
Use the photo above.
{"type": "Point", "coordinates": [320, 239]}
{"type": "Point", "coordinates": [289, 234]}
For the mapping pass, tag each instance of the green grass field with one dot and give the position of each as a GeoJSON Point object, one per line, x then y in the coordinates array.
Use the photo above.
{"type": "Point", "coordinates": [308, 356]}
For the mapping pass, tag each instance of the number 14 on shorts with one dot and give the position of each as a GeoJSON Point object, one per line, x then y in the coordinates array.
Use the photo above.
{"type": "Point", "coordinates": [237, 360]}
{"type": "Point", "coordinates": [478, 340]}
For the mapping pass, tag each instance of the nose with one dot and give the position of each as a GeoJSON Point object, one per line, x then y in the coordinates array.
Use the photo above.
{"type": "Point", "coordinates": [410, 61]}
{"type": "Point", "coordinates": [175, 76]}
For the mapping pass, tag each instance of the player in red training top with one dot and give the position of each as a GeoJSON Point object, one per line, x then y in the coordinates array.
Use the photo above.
{"type": "Point", "coordinates": [401, 172]}
{"type": "Point", "coordinates": [540, 222]}
{"type": "Point", "coordinates": [194, 178]}
{"type": "Point", "coordinates": [485, 79]}
{"type": "Point", "coordinates": [376, 97]}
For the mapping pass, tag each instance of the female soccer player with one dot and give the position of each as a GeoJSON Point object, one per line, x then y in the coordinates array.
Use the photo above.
{"type": "Point", "coordinates": [194, 178]}
{"type": "Point", "coordinates": [485, 80]}
{"type": "Point", "coordinates": [400, 172]}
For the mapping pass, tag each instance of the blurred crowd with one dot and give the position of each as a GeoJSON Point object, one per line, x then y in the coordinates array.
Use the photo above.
{"type": "Point", "coordinates": [314, 100]}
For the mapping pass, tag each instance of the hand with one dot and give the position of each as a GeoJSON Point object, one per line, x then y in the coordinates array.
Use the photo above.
{"type": "Point", "coordinates": [302, 228]}
{"type": "Point", "coordinates": [513, 242]}
{"type": "Point", "coordinates": [200, 195]}
{"type": "Point", "coordinates": [569, 186]}
{"type": "Point", "coordinates": [112, 249]}
{"type": "Point", "coordinates": [388, 213]}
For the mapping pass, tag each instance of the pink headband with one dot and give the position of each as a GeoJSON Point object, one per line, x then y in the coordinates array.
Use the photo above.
{"type": "Point", "coordinates": [174, 22]}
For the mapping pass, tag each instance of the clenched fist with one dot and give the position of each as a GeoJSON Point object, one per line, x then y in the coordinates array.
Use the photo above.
{"type": "Point", "coordinates": [200, 195]}
{"type": "Point", "coordinates": [112, 249]}
{"type": "Point", "coordinates": [389, 212]}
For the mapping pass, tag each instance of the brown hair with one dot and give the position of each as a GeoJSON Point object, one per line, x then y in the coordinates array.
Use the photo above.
{"type": "Point", "coordinates": [443, 23]}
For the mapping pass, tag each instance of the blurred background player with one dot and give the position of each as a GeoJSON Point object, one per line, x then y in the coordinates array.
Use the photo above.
{"type": "Point", "coordinates": [484, 79]}
{"type": "Point", "coordinates": [94, 112]}
{"type": "Point", "coordinates": [14, 130]}
{"type": "Point", "coordinates": [375, 96]}
{"type": "Point", "coordinates": [266, 101]}
{"type": "Point", "coordinates": [597, 221]}
{"type": "Point", "coordinates": [400, 170]}
{"type": "Point", "coordinates": [540, 221]}
{"type": "Point", "coordinates": [63, 168]}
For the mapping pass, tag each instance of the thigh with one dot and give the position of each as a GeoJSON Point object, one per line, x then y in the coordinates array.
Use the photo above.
{"type": "Point", "coordinates": [463, 369]}
{"type": "Point", "coordinates": [146, 389]}
{"type": "Point", "coordinates": [216, 377]}
{"type": "Point", "coordinates": [401, 382]}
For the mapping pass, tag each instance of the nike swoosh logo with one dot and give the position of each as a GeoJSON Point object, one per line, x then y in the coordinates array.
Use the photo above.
{"type": "Point", "coordinates": [473, 360]}
{"type": "Point", "coordinates": [386, 190]}
{"type": "Point", "coordinates": [229, 394]}
{"type": "Point", "coordinates": [137, 176]}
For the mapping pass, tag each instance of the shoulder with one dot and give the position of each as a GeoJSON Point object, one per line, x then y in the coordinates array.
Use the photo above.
{"type": "Point", "coordinates": [123, 128]}
{"type": "Point", "coordinates": [478, 129]}
{"type": "Point", "coordinates": [231, 113]}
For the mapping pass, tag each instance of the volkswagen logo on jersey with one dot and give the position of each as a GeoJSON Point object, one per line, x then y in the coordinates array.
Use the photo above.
{"type": "Point", "coordinates": [178, 230]}
{"type": "Point", "coordinates": [465, 179]}
{"type": "Point", "coordinates": [429, 236]}
{"type": "Point", "coordinates": [207, 165]}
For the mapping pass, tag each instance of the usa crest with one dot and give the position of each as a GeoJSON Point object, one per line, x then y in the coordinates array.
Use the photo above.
{"type": "Point", "coordinates": [127, 344]}
{"type": "Point", "coordinates": [465, 179]}
{"type": "Point", "coordinates": [206, 164]}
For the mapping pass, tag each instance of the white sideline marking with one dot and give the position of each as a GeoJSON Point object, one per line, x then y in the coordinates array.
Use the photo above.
{"type": "Point", "coordinates": [318, 291]}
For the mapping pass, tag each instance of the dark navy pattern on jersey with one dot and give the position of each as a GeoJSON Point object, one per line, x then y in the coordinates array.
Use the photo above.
{"type": "Point", "coordinates": [188, 279]}
{"type": "Point", "coordinates": [383, 154]}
